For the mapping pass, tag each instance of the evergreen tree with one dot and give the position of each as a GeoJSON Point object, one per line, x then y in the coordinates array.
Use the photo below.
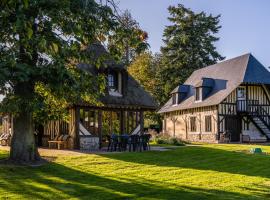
{"type": "Point", "coordinates": [189, 45]}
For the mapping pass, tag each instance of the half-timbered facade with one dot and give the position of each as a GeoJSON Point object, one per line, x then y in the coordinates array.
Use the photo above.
{"type": "Point", "coordinates": [225, 102]}
{"type": "Point", "coordinates": [121, 109]}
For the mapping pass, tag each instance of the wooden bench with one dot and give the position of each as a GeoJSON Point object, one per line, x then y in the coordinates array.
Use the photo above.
{"type": "Point", "coordinates": [5, 139]}
{"type": "Point", "coordinates": [61, 140]}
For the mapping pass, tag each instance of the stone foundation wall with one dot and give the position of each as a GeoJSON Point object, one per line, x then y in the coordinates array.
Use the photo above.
{"type": "Point", "coordinates": [89, 143]}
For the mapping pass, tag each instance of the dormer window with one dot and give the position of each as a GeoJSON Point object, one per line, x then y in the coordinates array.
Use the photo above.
{"type": "Point", "coordinates": [111, 81]}
{"type": "Point", "coordinates": [115, 84]}
{"type": "Point", "coordinates": [198, 94]}
{"type": "Point", "coordinates": [179, 94]}
{"type": "Point", "coordinates": [203, 89]}
{"type": "Point", "coordinates": [174, 98]}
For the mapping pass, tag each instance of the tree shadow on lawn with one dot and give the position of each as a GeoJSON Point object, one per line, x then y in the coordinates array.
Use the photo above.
{"type": "Point", "coordinates": [202, 158]}
{"type": "Point", "coordinates": [55, 181]}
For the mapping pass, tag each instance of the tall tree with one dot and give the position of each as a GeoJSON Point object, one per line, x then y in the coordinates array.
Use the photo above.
{"type": "Point", "coordinates": [41, 44]}
{"type": "Point", "coordinates": [129, 39]}
{"type": "Point", "coordinates": [144, 69]}
{"type": "Point", "coordinates": [189, 44]}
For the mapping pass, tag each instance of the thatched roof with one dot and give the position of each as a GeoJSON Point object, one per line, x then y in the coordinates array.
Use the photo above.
{"type": "Point", "coordinates": [226, 77]}
{"type": "Point", "coordinates": [134, 96]}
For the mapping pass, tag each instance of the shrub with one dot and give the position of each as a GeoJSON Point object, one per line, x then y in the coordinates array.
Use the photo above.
{"type": "Point", "coordinates": [169, 140]}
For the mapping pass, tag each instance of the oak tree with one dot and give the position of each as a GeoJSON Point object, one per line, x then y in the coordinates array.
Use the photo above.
{"type": "Point", "coordinates": [41, 44]}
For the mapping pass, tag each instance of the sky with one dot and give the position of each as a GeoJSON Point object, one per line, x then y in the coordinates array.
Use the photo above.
{"type": "Point", "coordinates": [245, 23]}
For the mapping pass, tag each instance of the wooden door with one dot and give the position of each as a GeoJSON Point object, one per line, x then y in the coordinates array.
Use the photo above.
{"type": "Point", "coordinates": [233, 126]}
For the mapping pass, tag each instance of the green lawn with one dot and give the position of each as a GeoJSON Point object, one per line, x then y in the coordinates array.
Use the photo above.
{"type": "Point", "coordinates": [192, 172]}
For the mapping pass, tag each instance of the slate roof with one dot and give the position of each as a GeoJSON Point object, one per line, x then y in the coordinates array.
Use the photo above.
{"type": "Point", "coordinates": [134, 96]}
{"type": "Point", "coordinates": [227, 76]}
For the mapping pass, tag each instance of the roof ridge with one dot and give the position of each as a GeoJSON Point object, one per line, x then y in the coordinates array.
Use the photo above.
{"type": "Point", "coordinates": [228, 60]}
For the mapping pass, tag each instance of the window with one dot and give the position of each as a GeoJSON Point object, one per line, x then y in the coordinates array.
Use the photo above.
{"type": "Point", "coordinates": [193, 124]}
{"type": "Point", "coordinates": [174, 99]}
{"type": "Point", "coordinates": [111, 81]}
{"type": "Point", "coordinates": [241, 93]}
{"type": "Point", "coordinates": [208, 123]}
{"type": "Point", "coordinates": [198, 94]}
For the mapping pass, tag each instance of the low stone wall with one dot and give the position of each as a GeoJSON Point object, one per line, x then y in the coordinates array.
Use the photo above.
{"type": "Point", "coordinates": [210, 138]}
{"type": "Point", "coordinates": [89, 143]}
{"type": "Point", "coordinates": [194, 137]}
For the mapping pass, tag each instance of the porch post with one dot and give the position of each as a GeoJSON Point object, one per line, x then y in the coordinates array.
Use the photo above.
{"type": "Point", "coordinates": [141, 122]}
{"type": "Point", "coordinates": [136, 118]}
{"type": "Point", "coordinates": [100, 128]}
{"type": "Point", "coordinates": [132, 121]}
{"type": "Point", "coordinates": [122, 122]}
{"type": "Point", "coordinates": [247, 99]}
{"type": "Point", "coordinates": [127, 124]}
{"type": "Point", "coordinates": [110, 122]}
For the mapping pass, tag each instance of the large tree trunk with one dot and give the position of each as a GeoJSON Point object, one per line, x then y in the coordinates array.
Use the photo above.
{"type": "Point", "coordinates": [23, 146]}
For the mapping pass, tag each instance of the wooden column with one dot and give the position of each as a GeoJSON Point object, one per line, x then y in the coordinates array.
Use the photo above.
{"type": "Point", "coordinates": [132, 121]}
{"type": "Point", "coordinates": [127, 128]}
{"type": "Point", "coordinates": [110, 122]}
{"type": "Point", "coordinates": [100, 128]}
{"type": "Point", "coordinates": [247, 99]}
{"type": "Point", "coordinates": [136, 118]}
{"type": "Point", "coordinates": [122, 122]}
{"type": "Point", "coordinates": [141, 122]}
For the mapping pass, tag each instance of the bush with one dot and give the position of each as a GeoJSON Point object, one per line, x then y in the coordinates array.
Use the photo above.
{"type": "Point", "coordinates": [169, 140]}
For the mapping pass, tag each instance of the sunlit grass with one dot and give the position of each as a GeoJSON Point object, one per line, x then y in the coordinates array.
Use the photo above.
{"type": "Point", "coordinates": [190, 172]}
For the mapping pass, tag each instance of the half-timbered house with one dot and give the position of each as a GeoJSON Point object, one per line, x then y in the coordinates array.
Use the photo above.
{"type": "Point", "coordinates": [121, 109]}
{"type": "Point", "coordinates": [224, 102]}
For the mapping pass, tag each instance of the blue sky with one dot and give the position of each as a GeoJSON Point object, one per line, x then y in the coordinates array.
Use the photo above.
{"type": "Point", "coordinates": [245, 23]}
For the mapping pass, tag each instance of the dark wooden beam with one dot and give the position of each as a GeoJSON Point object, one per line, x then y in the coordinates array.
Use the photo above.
{"type": "Point", "coordinates": [137, 119]}
{"type": "Point", "coordinates": [100, 128]}
{"type": "Point", "coordinates": [122, 122]}
{"type": "Point", "coordinates": [110, 122]}
{"type": "Point", "coordinates": [142, 122]}
{"type": "Point", "coordinates": [128, 115]}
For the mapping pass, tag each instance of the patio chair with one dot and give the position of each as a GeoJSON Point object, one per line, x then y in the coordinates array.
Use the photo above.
{"type": "Point", "coordinates": [123, 142]}
{"type": "Point", "coordinates": [114, 143]}
{"type": "Point", "coordinates": [109, 139]}
{"type": "Point", "coordinates": [134, 142]}
{"type": "Point", "coordinates": [145, 141]}
{"type": "Point", "coordinates": [5, 139]}
{"type": "Point", "coordinates": [226, 137]}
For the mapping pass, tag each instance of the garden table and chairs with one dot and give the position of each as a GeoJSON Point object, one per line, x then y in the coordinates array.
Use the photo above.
{"type": "Point", "coordinates": [128, 142]}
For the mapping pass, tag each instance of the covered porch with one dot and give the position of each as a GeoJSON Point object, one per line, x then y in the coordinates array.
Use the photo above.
{"type": "Point", "coordinates": [89, 128]}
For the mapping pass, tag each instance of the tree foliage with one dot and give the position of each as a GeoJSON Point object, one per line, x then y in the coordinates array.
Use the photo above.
{"type": "Point", "coordinates": [128, 40]}
{"type": "Point", "coordinates": [41, 44]}
{"type": "Point", "coordinates": [144, 69]}
{"type": "Point", "coordinates": [188, 45]}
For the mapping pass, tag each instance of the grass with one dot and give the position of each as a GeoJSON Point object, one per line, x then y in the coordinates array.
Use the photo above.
{"type": "Point", "coordinates": [190, 172]}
